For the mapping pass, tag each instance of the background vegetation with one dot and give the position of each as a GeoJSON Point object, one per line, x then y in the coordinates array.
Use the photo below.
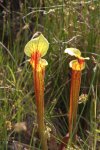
{"type": "Point", "coordinates": [65, 23]}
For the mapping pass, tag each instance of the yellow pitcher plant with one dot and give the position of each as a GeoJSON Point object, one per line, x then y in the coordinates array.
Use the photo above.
{"type": "Point", "coordinates": [36, 48]}
{"type": "Point", "coordinates": [77, 66]}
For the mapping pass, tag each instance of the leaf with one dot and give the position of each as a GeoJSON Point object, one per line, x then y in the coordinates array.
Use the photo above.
{"type": "Point", "coordinates": [38, 44]}
{"type": "Point", "coordinates": [73, 52]}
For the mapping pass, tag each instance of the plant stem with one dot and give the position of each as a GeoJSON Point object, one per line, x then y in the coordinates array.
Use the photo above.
{"type": "Point", "coordinates": [74, 96]}
{"type": "Point", "coordinates": [39, 94]}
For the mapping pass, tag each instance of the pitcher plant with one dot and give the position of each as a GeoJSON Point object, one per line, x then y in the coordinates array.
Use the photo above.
{"type": "Point", "coordinates": [76, 66]}
{"type": "Point", "coordinates": [36, 48]}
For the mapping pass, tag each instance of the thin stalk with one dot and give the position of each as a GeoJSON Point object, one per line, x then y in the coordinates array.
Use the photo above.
{"type": "Point", "coordinates": [39, 94]}
{"type": "Point", "coordinates": [74, 96]}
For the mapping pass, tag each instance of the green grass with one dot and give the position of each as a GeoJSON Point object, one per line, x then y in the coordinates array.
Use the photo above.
{"type": "Point", "coordinates": [64, 24]}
